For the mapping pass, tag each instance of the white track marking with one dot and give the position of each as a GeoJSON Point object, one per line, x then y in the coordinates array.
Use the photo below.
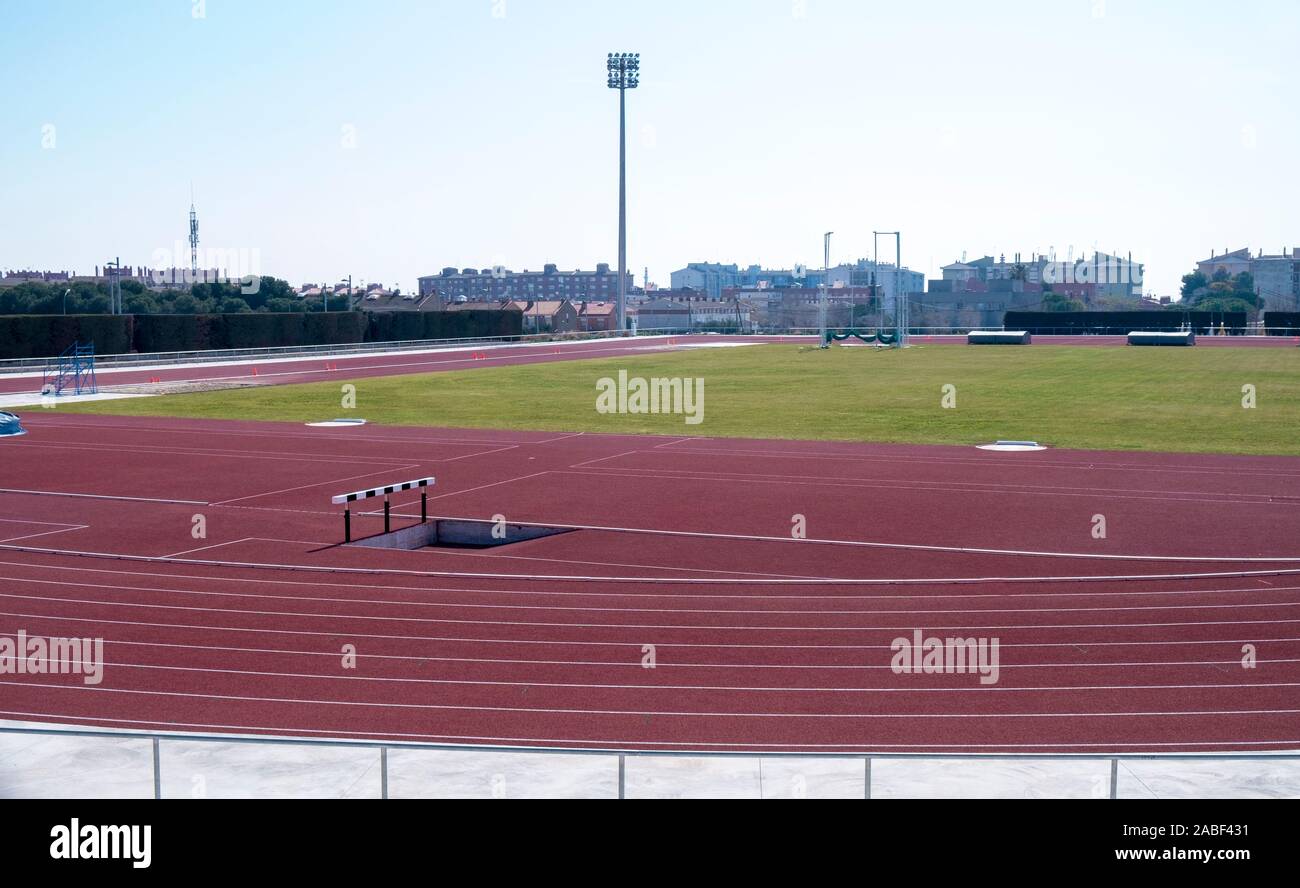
{"type": "Point", "coordinates": [658, 627]}
{"type": "Point", "coordinates": [912, 486]}
{"type": "Point", "coordinates": [34, 521]}
{"type": "Point", "coordinates": [478, 453]}
{"type": "Point", "coordinates": [656, 713]}
{"type": "Point", "coordinates": [485, 486]}
{"type": "Point", "coordinates": [817, 612]}
{"type": "Point", "coordinates": [597, 686]}
{"type": "Point", "coordinates": [366, 434]}
{"type": "Point", "coordinates": [215, 454]}
{"type": "Point", "coordinates": [316, 584]}
{"type": "Point", "coordinates": [202, 627]}
{"type": "Point", "coordinates": [847, 581]}
{"type": "Point", "coordinates": [938, 486]}
{"type": "Point", "coordinates": [634, 662]}
{"type": "Point", "coordinates": [995, 462]}
{"type": "Point", "coordinates": [44, 533]}
{"type": "Point", "coordinates": [134, 499]}
{"type": "Point", "coordinates": [866, 544]}
{"type": "Point", "coordinates": [386, 470]}
{"type": "Point", "coordinates": [560, 438]}
{"type": "Point", "coordinates": [521, 745]}
{"type": "Point", "coordinates": [175, 554]}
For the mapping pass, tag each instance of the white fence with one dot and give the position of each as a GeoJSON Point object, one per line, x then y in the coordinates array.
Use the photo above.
{"type": "Point", "coordinates": [38, 762]}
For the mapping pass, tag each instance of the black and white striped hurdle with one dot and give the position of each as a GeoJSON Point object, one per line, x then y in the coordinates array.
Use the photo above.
{"type": "Point", "coordinates": [384, 492]}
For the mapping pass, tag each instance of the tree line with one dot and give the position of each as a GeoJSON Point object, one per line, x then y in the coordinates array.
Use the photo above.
{"type": "Point", "coordinates": [91, 297]}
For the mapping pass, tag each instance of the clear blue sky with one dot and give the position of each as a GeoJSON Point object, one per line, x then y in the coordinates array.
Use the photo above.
{"type": "Point", "coordinates": [484, 133]}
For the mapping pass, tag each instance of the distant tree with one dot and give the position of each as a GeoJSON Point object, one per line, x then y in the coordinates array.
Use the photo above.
{"type": "Point", "coordinates": [1224, 303]}
{"type": "Point", "coordinates": [1192, 284]}
{"type": "Point", "coordinates": [1060, 302]}
{"type": "Point", "coordinates": [140, 303]}
{"type": "Point", "coordinates": [234, 305]}
{"type": "Point", "coordinates": [268, 288]}
{"type": "Point", "coordinates": [281, 304]}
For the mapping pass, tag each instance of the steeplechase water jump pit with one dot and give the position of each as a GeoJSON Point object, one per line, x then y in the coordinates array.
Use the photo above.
{"type": "Point", "coordinates": [337, 423]}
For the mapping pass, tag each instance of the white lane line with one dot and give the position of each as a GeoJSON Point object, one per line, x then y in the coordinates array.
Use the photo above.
{"type": "Point", "coordinates": [1214, 500]}
{"type": "Point", "coordinates": [562, 593]}
{"type": "Point", "coordinates": [748, 581]}
{"type": "Point", "coordinates": [603, 458]}
{"type": "Point", "coordinates": [214, 454]}
{"type": "Point", "coordinates": [366, 434]}
{"type": "Point", "coordinates": [657, 713]}
{"type": "Point", "coordinates": [560, 438]}
{"type": "Point", "coordinates": [941, 486]}
{"type": "Point", "coordinates": [998, 463]}
{"type": "Point", "coordinates": [103, 496]}
{"type": "Point", "coordinates": [634, 662]}
{"type": "Point", "coordinates": [659, 627]}
{"type": "Point", "coordinates": [817, 612]}
{"type": "Point", "coordinates": [386, 470]}
{"type": "Point", "coordinates": [597, 686]}
{"type": "Point", "coordinates": [478, 453]}
{"type": "Point", "coordinates": [486, 486]}
{"type": "Point", "coordinates": [424, 639]}
{"type": "Point", "coordinates": [172, 555]}
{"type": "Point", "coordinates": [34, 521]}
{"type": "Point", "coordinates": [594, 746]}
{"type": "Point", "coordinates": [45, 533]}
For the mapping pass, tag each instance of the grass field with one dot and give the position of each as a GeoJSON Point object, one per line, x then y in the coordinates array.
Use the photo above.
{"type": "Point", "coordinates": [1173, 399]}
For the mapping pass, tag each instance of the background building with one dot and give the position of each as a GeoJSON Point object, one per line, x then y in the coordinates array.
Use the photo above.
{"type": "Point", "coordinates": [1277, 276]}
{"type": "Point", "coordinates": [492, 285]}
{"type": "Point", "coordinates": [712, 279]}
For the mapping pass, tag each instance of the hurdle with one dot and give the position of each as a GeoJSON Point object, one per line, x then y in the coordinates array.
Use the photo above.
{"type": "Point", "coordinates": [348, 498]}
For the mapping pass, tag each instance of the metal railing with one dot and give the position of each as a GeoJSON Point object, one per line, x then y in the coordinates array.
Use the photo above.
{"type": "Point", "coordinates": [1101, 785]}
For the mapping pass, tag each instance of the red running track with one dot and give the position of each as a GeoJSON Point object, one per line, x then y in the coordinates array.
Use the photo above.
{"type": "Point", "coordinates": [760, 641]}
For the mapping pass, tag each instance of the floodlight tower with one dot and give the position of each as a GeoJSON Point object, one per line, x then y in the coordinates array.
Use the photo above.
{"type": "Point", "coordinates": [825, 290]}
{"type": "Point", "coordinates": [624, 70]}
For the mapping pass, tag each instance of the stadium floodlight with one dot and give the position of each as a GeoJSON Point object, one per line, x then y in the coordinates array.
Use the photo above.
{"type": "Point", "coordinates": [624, 70]}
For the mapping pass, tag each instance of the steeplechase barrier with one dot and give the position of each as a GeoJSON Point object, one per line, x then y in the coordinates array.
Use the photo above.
{"type": "Point", "coordinates": [348, 498]}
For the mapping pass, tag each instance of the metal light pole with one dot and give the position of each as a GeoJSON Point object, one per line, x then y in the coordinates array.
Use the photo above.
{"type": "Point", "coordinates": [900, 301]}
{"type": "Point", "coordinates": [826, 275]}
{"type": "Point", "coordinates": [624, 70]}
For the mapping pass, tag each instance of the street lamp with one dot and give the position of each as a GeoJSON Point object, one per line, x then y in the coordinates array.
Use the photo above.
{"type": "Point", "coordinates": [826, 281]}
{"type": "Point", "coordinates": [624, 69]}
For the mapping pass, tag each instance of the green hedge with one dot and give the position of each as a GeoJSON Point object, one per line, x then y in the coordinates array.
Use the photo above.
{"type": "Point", "coordinates": [41, 336]}
{"type": "Point", "coordinates": [398, 326]}
{"type": "Point", "coordinates": [37, 336]}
